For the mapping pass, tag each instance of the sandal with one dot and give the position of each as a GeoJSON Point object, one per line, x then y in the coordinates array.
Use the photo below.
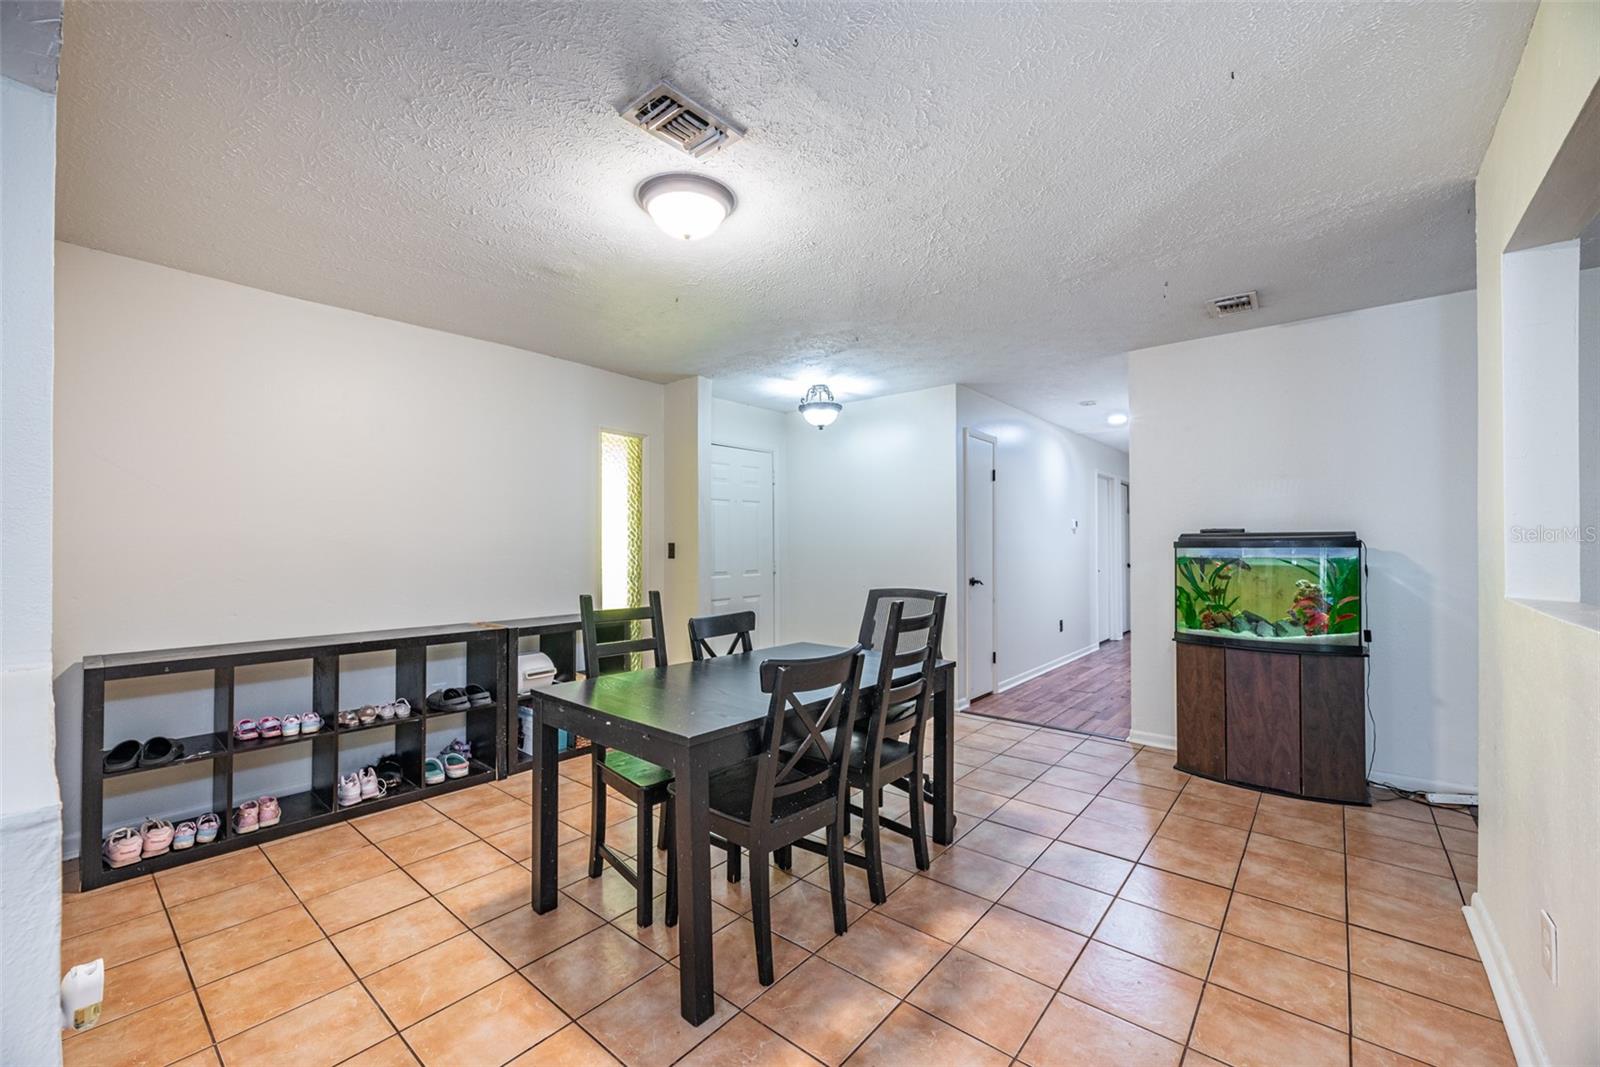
{"type": "Point", "coordinates": [291, 726]}
{"type": "Point", "coordinates": [448, 700]}
{"type": "Point", "coordinates": [270, 727]}
{"type": "Point", "coordinates": [184, 835]}
{"type": "Point", "coordinates": [206, 829]}
{"type": "Point", "coordinates": [368, 715]}
{"type": "Point", "coordinates": [460, 745]}
{"type": "Point", "coordinates": [456, 765]}
{"type": "Point", "coordinates": [348, 719]}
{"type": "Point", "coordinates": [349, 790]}
{"type": "Point", "coordinates": [390, 771]}
{"type": "Point", "coordinates": [122, 847]}
{"type": "Point", "coordinates": [478, 696]}
{"type": "Point", "coordinates": [402, 708]}
{"type": "Point", "coordinates": [157, 835]}
{"type": "Point", "coordinates": [267, 812]}
{"type": "Point", "coordinates": [160, 751]}
{"type": "Point", "coordinates": [310, 722]}
{"type": "Point", "coordinates": [245, 730]}
{"type": "Point", "coordinates": [385, 711]}
{"type": "Point", "coordinates": [124, 757]}
{"type": "Point", "coordinates": [246, 818]}
{"type": "Point", "coordinates": [432, 771]}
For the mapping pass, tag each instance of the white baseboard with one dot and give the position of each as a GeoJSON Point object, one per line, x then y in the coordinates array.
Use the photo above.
{"type": "Point", "coordinates": [1150, 740]}
{"type": "Point", "coordinates": [1520, 1027]}
{"type": "Point", "coordinates": [1046, 668]}
{"type": "Point", "coordinates": [1423, 785]}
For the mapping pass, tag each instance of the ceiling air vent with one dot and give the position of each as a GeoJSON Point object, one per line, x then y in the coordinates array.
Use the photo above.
{"type": "Point", "coordinates": [666, 113]}
{"type": "Point", "coordinates": [1237, 304]}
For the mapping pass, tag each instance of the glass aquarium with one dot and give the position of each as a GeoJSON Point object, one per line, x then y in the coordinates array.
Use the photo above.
{"type": "Point", "coordinates": [1301, 592]}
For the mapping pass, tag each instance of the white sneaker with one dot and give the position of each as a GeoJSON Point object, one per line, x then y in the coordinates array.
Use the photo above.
{"type": "Point", "coordinates": [372, 786]}
{"type": "Point", "coordinates": [349, 790]}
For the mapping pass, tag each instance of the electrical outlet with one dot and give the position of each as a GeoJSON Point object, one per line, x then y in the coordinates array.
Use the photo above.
{"type": "Point", "coordinates": [1547, 944]}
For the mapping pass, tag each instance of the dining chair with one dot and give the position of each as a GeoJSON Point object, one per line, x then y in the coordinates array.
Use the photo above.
{"type": "Point", "coordinates": [738, 625]}
{"type": "Point", "coordinates": [888, 751]}
{"type": "Point", "coordinates": [642, 782]}
{"type": "Point", "coordinates": [877, 611]}
{"type": "Point", "coordinates": [794, 785]}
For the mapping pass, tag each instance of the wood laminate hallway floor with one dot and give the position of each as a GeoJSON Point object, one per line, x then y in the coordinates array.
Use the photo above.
{"type": "Point", "coordinates": [1092, 695]}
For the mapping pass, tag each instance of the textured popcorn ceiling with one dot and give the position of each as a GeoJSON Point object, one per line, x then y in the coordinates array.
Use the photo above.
{"type": "Point", "coordinates": [1003, 195]}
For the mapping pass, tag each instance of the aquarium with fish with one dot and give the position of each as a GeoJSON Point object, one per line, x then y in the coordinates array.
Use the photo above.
{"type": "Point", "coordinates": [1300, 592]}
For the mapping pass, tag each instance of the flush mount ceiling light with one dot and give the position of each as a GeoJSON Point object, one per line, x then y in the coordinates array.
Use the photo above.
{"type": "Point", "coordinates": [1116, 419]}
{"type": "Point", "coordinates": [819, 407]}
{"type": "Point", "coordinates": [686, 206]}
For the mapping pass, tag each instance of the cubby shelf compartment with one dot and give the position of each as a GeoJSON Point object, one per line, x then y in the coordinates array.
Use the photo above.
{"type": "Point", "coordinates": [195, 749]}
{"type": "Point", "coordinates": [375, 724]}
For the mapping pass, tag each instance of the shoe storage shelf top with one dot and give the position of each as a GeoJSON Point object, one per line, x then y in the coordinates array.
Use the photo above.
{"type": "Point", "coordinates": [489, 651]}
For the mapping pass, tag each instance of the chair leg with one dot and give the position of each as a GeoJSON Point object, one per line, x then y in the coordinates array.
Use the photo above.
{"type": "Point", "coordinates": [761, 913]}
{"type": "Point", "coordinates": [836, 878]}
{"type": "Point", "coordinates": [597, 811]}
{"type": "Point", "coordinates": [919, 829]}
{"type": "Point", "coordinates": [733, 874]}
{"type": "Point", "coordinates": [784, 858]}
{"type": "Point", "coordinates": [872, 833]}
{"type": "Point", "coordinates": [644, 865]}
{"type": "Point", "coordinates": [664, 840]}
{"type": "Point", "coordinates": [668, 829]}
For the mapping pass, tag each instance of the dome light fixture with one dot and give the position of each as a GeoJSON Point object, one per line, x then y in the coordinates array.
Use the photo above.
{"type": "Point", "coordinates": [819, 407]}
{"type": "Point", "coordinates": [1116, 418]}
{"type": "Point", "coordinates": [686, 206]}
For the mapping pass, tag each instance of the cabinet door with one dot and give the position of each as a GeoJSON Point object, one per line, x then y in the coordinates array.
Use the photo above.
{"type": "Point", "coordinates": [1264, 719]}
{"type": "Point", "coordinates": [1333, 727]}
{"type": "Point", "coordinates": [1201, 702]}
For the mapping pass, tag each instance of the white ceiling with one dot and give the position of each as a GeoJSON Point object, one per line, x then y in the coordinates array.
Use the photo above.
{"type": "Point", "coordinates": [1004, 195]}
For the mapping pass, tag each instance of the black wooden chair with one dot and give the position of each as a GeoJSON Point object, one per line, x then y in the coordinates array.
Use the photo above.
{"type": "Point", "coordinates": [917, 602]}
{"type": "Point", "coordinates": [639, 780]}
{"type": "Point", "coordinates": [737, 625]}
{"type": "Point", "coordinates": [794, 785]}
{"type": "Point", "coordinates": [887, 745]}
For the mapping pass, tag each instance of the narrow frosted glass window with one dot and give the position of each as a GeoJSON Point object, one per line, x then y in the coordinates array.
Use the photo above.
{"type": "Point", "coordinates": [621, 520]}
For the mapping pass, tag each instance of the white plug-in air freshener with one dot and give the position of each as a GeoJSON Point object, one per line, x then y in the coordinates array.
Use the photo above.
{"type": "Point", "coordinates": [82, 991]}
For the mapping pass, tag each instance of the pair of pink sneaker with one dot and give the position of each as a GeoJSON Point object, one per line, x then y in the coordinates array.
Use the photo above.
{"type": "Point", "coordinates": [255, 815]}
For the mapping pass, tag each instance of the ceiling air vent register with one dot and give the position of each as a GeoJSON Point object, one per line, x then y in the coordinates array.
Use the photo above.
{"type": "Point", "coordinates": [1238, 304]}
{"type": "Point", "coordinates": [666, 113]}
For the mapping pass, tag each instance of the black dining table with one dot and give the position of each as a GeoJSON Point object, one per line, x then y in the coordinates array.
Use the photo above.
{"type": "Point", "coordinates": [692, 718]}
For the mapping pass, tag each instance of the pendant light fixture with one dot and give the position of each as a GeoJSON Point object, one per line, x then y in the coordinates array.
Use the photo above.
{"type": "Point", "coordinates": [686, 206]}
{"type": "Point", "coordinates": [819, 407]}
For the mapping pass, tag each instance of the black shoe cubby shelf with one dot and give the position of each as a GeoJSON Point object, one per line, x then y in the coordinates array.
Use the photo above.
{"type": "Point", "coordinates": [491, 651]}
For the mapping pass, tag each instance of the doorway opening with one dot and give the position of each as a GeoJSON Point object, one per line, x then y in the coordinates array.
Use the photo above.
{"type": "Point", "coordinates": [978, 529]}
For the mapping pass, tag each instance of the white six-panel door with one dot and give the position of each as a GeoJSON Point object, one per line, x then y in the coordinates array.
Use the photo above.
{"type": "Point", "coordinates": [742, 545]}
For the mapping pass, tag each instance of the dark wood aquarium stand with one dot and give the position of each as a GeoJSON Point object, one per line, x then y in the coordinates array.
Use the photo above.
{"type": "Point", "coordinates": [491, 661]}
{"type": "Point", "coordinates": [1286, 721]}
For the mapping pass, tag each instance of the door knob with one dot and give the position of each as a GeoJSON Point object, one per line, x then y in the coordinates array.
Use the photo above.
{"type": "Point", "coordinates": [974, 581]}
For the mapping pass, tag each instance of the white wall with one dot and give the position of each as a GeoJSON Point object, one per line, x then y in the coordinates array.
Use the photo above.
{"type": "Point", "coordinates": [1044, 567]}
{"type": "Point", "coordinates": [232, 464]}
{"type": "Point", "coordinates": [1351, 422]}
{"type": "Point", "coordinates": [1589, 433]}
{"type": "Point", "coordinates": [1539, 675]}
{"type": "Point", "coordinates": [30, 803]}
{"type": "Point", "coordinates": [871, 502]}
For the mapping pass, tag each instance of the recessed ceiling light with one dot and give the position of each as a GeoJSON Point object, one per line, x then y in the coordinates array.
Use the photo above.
{"type": "Point", "coordinates": [688, 206]}
{"type": "Point", "coordinates": [1087, 403]}
{"type": "Point", "coordinates": [1116, 418]}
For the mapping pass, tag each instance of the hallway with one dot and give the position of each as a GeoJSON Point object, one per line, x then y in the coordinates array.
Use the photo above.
{"type": "Point", "coordinates": [1091, 695]}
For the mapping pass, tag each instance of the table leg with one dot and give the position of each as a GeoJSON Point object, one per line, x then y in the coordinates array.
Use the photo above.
{"type": "Point", "coordinates": [692, 833]}
{"type": "Point", "coordinates": [944, 760]}
{"type": "Point", "coordinates": [546, 781]}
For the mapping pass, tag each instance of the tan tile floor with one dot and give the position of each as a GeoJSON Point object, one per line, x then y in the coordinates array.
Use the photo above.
{"type": "Point", "coordinates": [1099, 907]}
